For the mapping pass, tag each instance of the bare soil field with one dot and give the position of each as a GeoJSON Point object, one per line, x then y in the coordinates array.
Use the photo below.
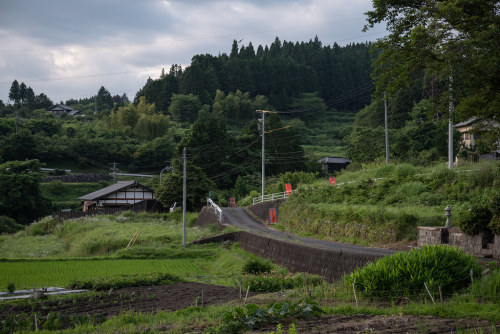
{"type": "Point", "coordinates": [150, 299]}
{"type": "Point", "coordinates": [385, 324]}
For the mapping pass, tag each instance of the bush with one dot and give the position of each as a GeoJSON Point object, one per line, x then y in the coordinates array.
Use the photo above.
{"type": "Point", "coordinates": [475, 220]}
{"type": "Point", "coordinates": [9, 225]}
{"type": "Point", "coordinates": [257, 266]}
{"type": "Point", "coordinates": [44, 226]}
{"type": "Point", "coordinates": [404, 274]}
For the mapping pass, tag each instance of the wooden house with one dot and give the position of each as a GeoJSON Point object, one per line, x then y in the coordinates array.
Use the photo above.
{"type": "Point", "coordinates": [120, 194]}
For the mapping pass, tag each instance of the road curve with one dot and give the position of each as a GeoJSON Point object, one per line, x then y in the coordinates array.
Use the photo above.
{"type": "Point", "coordinates": [239, 217]}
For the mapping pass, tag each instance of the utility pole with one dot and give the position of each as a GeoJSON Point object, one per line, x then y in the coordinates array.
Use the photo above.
{"type": "Point", "coordinates": [114, 170]}
{"type": "Point", "coordinates": [184, 202]}
{"type": "Point", "coordinates": [386, 131]}
{"type": "Point", "coordinates": [17, 116]}
{"type": "Point", "coordinates": [450, 127]}
{"type": "Point", "coordinates": [263, 130]}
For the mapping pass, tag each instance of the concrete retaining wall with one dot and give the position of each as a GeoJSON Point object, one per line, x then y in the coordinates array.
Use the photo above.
{"type": "Point", "coordinates": [295, 257]}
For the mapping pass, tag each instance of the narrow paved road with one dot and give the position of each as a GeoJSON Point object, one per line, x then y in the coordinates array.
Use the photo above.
{"type": "Point", "coordinates": [239, 217]}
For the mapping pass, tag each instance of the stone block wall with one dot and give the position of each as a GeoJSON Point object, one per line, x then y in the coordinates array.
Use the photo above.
{"type": "Point", "coordinates": [470, 244]}
{"type": "Point", "coordinates": [475, 245]}
{"type": "Point", "coordinates": [430, 235]}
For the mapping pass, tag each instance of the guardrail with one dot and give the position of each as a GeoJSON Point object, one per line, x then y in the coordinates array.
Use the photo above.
{"type": "Point", "coordinates": [272, 197]}
{"type": "Point", "coordinates": [216, 208]}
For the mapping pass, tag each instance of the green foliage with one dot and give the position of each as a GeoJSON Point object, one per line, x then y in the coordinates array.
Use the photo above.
{"type": "Point", "coordinates": [123, 281]}
{"type": "Point", "coordinates": [9, 225]}
{"type": "Point", "coordinates": [253, 316]}
{"type": "Point", "coordinates": [11, 287]}
{"type": "Point", "coordinates": [404, 274]}
{"type": "Point", "coordinates": [257, 266]}
{"type": "Point", "coordinates": [487, 289]}
{"type": "Point", "coordinates": [475, 220]}
{"type": "Point", "coordinates": [20, 196]}
{"type": "Point", "coordinates": [429, 39]}
{"type": "Point", "coordinates": [278, 280]}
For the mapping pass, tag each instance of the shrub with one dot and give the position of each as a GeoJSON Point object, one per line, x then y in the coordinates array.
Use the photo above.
{"type": "Point", "coordinates": [475, 220]}
{"type": "Point", "coordinates": [55, 187]}
{"type": "Point", "coordinates": [404, 274]}
{"type": "Point", "coordinates": [44, 226]}
{"type": "Point", "coordinates": [9, 225]}
{"type": "Point", "coordinates": [256, 266]}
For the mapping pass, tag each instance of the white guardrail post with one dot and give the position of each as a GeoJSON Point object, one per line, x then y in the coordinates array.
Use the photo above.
{"type": "Point", "coordinates": [270, 197]}
{"type": "Point", "coordinates": [216, 208]}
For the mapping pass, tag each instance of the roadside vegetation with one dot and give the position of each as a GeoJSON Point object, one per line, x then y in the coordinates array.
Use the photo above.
{"type": "Point", "coordinates": [380, 204]}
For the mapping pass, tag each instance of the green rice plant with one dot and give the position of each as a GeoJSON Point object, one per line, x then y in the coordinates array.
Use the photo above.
{"type": "Point", "coordinates": [487, 289]}
{"type": "Point", "coordinates": [404, 274]}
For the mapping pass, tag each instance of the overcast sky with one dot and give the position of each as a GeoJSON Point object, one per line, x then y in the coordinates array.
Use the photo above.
{"type": "Point", "coordinates": [70, 48]}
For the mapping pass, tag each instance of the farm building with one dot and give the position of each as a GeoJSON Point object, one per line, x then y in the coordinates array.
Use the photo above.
{"type": "Point", "coordinates": [333, 164]}
{"type": "Point", "coordinates": [119, 194]}
{"type": "Point", "coordinates": [59, 109]}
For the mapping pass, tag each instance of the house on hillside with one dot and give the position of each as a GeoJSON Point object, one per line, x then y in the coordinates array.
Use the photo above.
{"type": "Point", "coordinates": [120, 194]}
{"type": "Point", "coordinates": [469, 138]}
{"type": "Point", "coordinates": [334, 164]}
{"type": "Point", "coordinates": [59, 109]}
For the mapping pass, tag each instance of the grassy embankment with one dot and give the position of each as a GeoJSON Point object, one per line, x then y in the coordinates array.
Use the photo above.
{"type": "Point", "coordinates": [383, 204]}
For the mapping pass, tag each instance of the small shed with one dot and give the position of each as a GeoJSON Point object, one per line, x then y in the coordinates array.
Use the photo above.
{"type": "Point", "coordinates": [334, 164]}
{"type": "Point", "coordinates": [119, 194]}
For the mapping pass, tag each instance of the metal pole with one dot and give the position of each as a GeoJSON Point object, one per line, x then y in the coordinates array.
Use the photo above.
{"type": "Point", "coordinates": [184, 203]}
{"type": "Point", "coordinates": [263, 155]}
{"type": "Point", "coordinates": [450, 127]}
{"type": "Point", "coordinates": [386, 131]}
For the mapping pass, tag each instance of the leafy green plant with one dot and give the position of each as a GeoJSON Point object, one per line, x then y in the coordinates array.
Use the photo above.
{"type": "Point", "coordinates": [476, 219]}
{"type": "Point", "coordinates": [256, 266]}
{"type": "Point", "coordinates": [253, 316]}
{"type": "Point", "coordinates": [11, 287]}
{"type": "Point", "coordinates": [404, 274]}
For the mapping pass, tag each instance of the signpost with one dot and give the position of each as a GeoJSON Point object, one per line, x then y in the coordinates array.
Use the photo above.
{"type": "Point", "coordinates": [273, 217]}
{"type": "Point", "coordinates": [333, 182]}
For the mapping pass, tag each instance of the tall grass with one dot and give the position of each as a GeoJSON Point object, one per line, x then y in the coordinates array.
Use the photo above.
{"type": "Point", "coordinates": [98, 235]}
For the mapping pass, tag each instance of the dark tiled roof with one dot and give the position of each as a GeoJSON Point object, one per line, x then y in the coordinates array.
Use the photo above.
{"type": "Point", "coordinates": [467, 122]}
{"type": "Point", "coordinates": [108, 190]}
{"type": "Point", "coordinates": [334, 160]}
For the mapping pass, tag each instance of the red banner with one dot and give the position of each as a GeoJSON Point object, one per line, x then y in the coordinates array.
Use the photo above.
{"type": "Point", "coordinates": [332, 181]}
{"type": "Point", "coordinates": [232, 202]}
{"type": "Point", "coordinates": [288, 187]}
{"type": "Point", "coordinates": [273, 218]}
